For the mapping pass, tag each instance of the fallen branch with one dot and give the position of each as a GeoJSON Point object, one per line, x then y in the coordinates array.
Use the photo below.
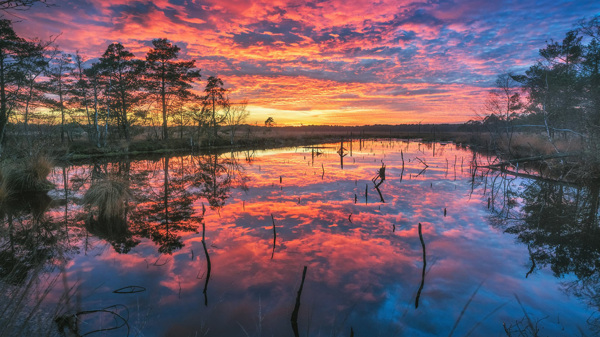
{"type": "Point", "coordinates": [531, 159]}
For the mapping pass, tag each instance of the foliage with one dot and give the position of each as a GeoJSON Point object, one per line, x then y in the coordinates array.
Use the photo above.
{"type": "Point", "coordinates": [214, 104]}
{"type": "Point", "coordinates": [236, 115]}
{"type": "Point", "coordinates": [13, 50]}
{"type": "Point", "coordinates": [60, 84]}
{"type": "Point", "coordinates": [559, 95]}
{"type": "Point", "coordinates": [108, 100]}
{"type": "Point", "coordinates": [18, 4]}
{"type": "Point", "coordinates": [269, 122]}
{"type": "Point", "coordinates": [168, 80]}
{"type": "Point", "coordinates": [124, 76]}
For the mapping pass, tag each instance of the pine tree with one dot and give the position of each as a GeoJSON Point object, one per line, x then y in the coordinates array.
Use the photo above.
{"type": "Point", "coordinates": [125, 75]}
{"type": "Point", "coordinates": [13, 50]}
{"type": "Point", "coordinates": [169, 80]}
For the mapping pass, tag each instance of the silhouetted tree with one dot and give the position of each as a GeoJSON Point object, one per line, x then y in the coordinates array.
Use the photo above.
{"type": "Point", "coordinates": [269, 122]}
{"type": "Point", "coordinates": [215, 103]}
{"type": "Point", "coordinates": [59, 84]}
{"type": "Point", "coordinates": [504, 102]}
{"type": "Point", "coordinates": [169, 80]}
{"type": "Point", "coordinates": [13, 49]}
{"type": "Point", "coordinates": [18, 4]}
{"type": "Point", "coordinates": [235, 116]}
{"type": "Point", "coordinates": [80, 92]}
{"type": "Point", "coordinates": [554, 86]}
{"type": "Point", "coordinates": [94, 81]}
{"type": "Point", "coordinates": [34, 64]}
{"type": "Point", "coordinates": [124, 74]}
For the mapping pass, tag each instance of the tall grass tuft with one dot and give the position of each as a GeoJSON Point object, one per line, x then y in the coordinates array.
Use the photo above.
{"type": "Point", "coordinates": [26, 176]}
{"type": "Point", "coordinates": [108, 197]}
{"type": "Point", "coordinates": [107, 200]}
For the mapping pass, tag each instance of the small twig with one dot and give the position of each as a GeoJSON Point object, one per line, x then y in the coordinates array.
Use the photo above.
{"type": "Point", "coordinates": [162, 264]}
{"type": "Point", "coordinates": [533, 330]}
{"type": "Point", "coordinates": [422, 162]}
{"type": "Point", "coordinates": [130, 290]}
{"type": "Point", "coordinates": [465, 309]}
{"type": "Point", "coordinates": [532, 263]}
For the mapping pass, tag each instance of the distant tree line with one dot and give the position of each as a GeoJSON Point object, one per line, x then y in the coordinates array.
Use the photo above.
{"type": "Point", "coordinates": [559, 95]}
{"type": "Point", "coordinates": [40, 84]}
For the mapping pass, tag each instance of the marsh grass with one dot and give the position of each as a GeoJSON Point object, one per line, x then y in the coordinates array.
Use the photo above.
{"type": "Point", "coordinates": [521, 144]}
{"type": "Point", "coordinates": [25, 176]}
{"type": "Point", "coordinates": [26, 310]}
{"type": "Point", "coordinates": [33, 250]}
{"type": "Point", "coordinates": [108, 198]}
{"type": "Point", "coordinates": [107, 201]}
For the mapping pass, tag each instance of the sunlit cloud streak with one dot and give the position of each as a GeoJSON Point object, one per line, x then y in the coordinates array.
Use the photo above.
{"type": "Point", "coordinates": [329, 62]}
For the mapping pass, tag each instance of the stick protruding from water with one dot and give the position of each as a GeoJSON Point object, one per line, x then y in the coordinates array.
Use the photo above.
{"type": "Point", "coordinates": [424, 266]}
{"type": "Point", "coordinates": [294, 318]}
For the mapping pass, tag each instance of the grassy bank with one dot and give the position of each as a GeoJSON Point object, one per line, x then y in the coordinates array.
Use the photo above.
{"type": "Point", "coordinates": [584, 164]}
{"type": "Point", "coordinates": [567, 157]}
{"type": "Point", "coordinates": [146, 141]}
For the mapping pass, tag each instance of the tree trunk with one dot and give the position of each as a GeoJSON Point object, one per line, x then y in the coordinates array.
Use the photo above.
{"type": "Point", "coordinates": [163, 95]}
{"type": "Point", "coordinates": [214, 121]}
{"type": "Point", "coordinates": [26, 121]}
{"type": "Point", "coordinates": [124, 116]}
{"type": "Point", "coordinates": [3, 108]}
{"type": "Point", "coordinates": [62, 116]}
{"type": "Point", "coordinates": [96, 126]}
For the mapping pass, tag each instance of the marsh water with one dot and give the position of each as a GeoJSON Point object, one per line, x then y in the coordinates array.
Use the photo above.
{"type": "Point", "coordinates": [216, 245]}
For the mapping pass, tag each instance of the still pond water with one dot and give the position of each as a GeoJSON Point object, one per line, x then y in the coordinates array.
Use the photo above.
{"type": "Point", "coordinates": [496, 254]}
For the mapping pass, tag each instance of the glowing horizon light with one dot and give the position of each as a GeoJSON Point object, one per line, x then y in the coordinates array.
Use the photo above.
{"type": "Point", "coordinates": [327, 62]}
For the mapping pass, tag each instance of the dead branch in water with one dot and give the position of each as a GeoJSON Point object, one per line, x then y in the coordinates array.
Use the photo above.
{"type": "Point", "coordinates": [424, 266]}
{"type": "Point", "coordinates": [422, 162]}
{"type": "Point", "coordinates": [274, 236]}
{"type": "Point", "coordinates": [380, 175]}
{"type": "Point", "coordinates": [380, 195]}
{"type": "Point", "coordinates": [294, 318]}
{"type": "Point", "coordinates": [531, 159]}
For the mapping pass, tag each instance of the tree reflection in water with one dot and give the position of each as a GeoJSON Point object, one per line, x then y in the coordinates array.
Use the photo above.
{"type": "Point", "coordinates": [362, 269]}
{"type": "Point", "coordinates": [165, 208]}
{"type": "Point", "coordinates": [165, 197]}
{"type": "Point", "coordinates": [29, 239]}
{"type": "Point", "coordinates": [559, 223]}
{"type": "Point", "coordinates": [214, 179]}
{"type": "Point", "coordinates": [32, 246]}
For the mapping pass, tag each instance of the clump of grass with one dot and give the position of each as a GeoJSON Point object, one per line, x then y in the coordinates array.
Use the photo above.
{"type": "Point", "coordinates": [108, 197]}
{"type": "Point", "coordinates": [4, 193]}
{"type": "Point", "coordinates": [27, 176]}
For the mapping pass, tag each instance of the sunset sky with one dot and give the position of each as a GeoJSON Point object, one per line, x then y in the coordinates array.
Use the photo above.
{"type": "Point", "coordinates": [328, 61]}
